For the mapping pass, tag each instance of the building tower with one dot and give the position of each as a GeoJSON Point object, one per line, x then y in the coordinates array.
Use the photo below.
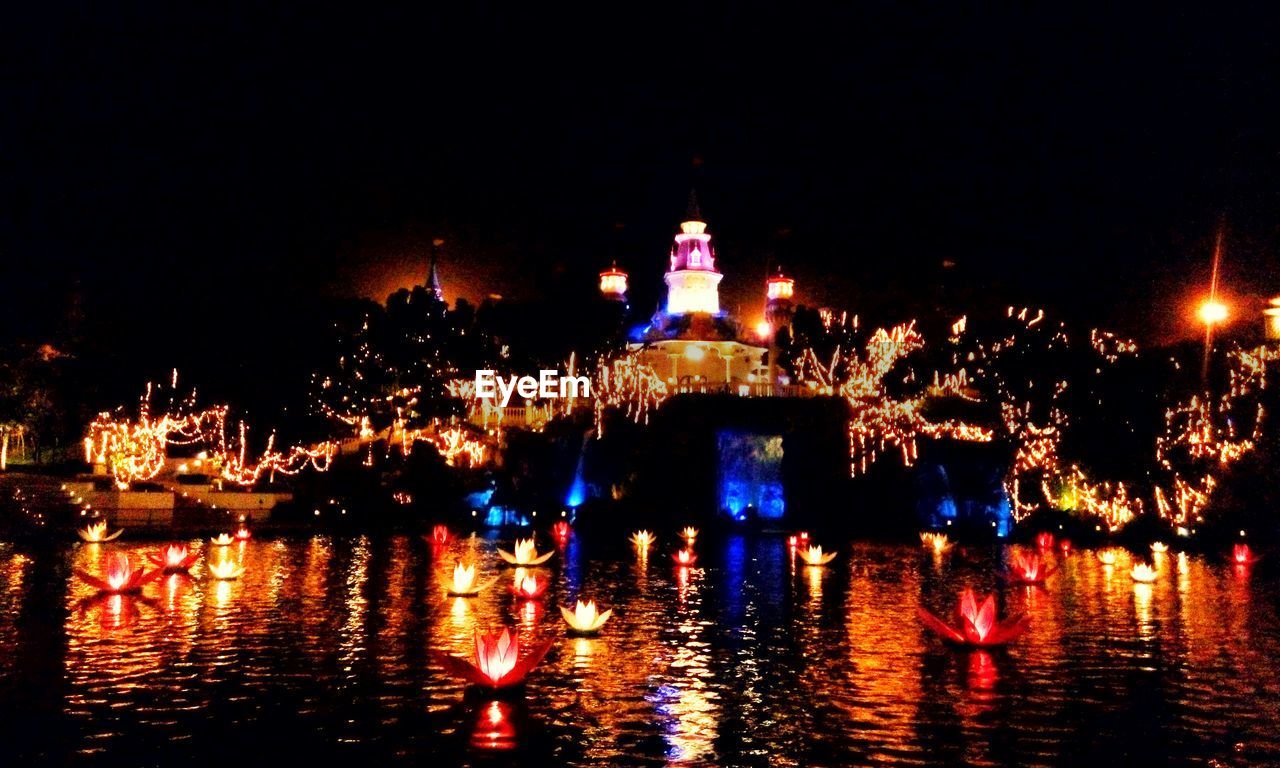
{"type": "Point", "coordinates": [778, 306]}
{"type": "Point", "coordinates": [613, 284]}
{"type": "Point", "coordinates": [693, 282]}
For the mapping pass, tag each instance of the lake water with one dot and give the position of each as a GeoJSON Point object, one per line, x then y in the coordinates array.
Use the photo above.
{"type": "Point", "coordinates": [323, 651]}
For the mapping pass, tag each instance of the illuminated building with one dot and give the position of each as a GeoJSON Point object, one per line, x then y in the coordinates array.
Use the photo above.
{"type": "Point", "coordinates": [778, 308]}
{"type": "Point", "coordinates": [691, 343]}
{"type": "Point", "coordinates": [1272, 319]}
{"type": "Point", "coordinates": [613, 284]}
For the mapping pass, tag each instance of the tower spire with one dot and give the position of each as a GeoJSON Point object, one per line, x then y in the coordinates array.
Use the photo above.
{"type": "Point", "coordinates": [433, 277]}
{"type": "Point", "coordinates": [695, 212]}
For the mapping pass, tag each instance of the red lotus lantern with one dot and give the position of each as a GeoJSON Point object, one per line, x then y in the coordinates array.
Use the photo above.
{"type": "Point", "coordinates": [978, 625]}
{"type": "Point", "coordinates": [440, 535]}
{"type": "Point", "coordinates": [685, 558]}
{"type": "Point", "coordinates": [1242, 555]}
{"type": "Point", "coordinates": [1065, 546]}
{"type": "Point", "coordinates": [242, 534]}
{"type": "Point", "coordinates": [122, 577]}
{"type": "Point", "coordinates": [175, 558]}
{"type": "Point", "coordinates": [1045, 540]}
{"type": "Point", "coordinates": [496, 662]}
{"type": "Point", "coordinates": [561, 531]}
{"type": "Point", "coordinates": [529, 587]}
{"type": "Point", "coordinates": [1030, 568]}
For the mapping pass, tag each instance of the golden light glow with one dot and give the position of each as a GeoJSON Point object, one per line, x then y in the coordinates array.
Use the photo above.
{"type": "Point", "coordinates": [464, 581]}
{"type": "Point", "coordinates": [525, 554]}
{"type": "Point", "coordinates": [1143, 573]}
{"type": "Point", "coordinates": [222, 540]}
{"type": "Point", "coordinates": [938, 542]}
{"type": "Point", "coordinates": [1212, 312]}
{"type": "Point", "coordinates": [814, 556]}
{"type": "Point", "coordinates": [226, 570]}
{"type": "Point", "coordinates": [96, 533]}
{"type": "Point", "coordinates": [643, 539]}
{"type": "Point", "coordinates": [689, 534]}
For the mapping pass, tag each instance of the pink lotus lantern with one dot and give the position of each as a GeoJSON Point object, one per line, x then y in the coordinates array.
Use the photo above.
{"type": "Point", "coordinates": [685, 558]}
{"type": "Point", "coordinates": [242, 534]}
{"type": "Point", "coordinates": [978, 626]}
{"type": "Point", "coordinates": [496, 662]}
{"type": "Point", "coordinates": [174, 558]}
{"type": "Point", "coordinates": [440, 535]}
{"type": "Point", "coordinates": [1044, 540]}
{"type": "Point", "coordinates": [529, 587]}
{"type": "Point", "coordinates": [1030, 568]}
{"type": "Point", "coordinates": [122, 577]}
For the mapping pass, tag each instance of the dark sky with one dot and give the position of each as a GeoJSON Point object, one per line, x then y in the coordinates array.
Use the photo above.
{"type": "Point", "coordinates": [196, 177]}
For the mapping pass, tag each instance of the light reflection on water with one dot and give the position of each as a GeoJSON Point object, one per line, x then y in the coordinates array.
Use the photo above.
{"type": "Point", "coordinates": [323, 649]}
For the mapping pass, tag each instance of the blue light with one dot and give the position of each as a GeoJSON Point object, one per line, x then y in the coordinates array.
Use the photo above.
{"type": "Point", "coordinates": [750, 475]}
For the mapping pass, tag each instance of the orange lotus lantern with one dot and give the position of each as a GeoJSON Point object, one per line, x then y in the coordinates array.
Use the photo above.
{"type": "Point", "coordinates": [225, 570]}
{"type": "Point", "coordinates": [1044, 540]}
{"type": "Point", "coordinates": [585, 619]}
{"type": "Point", "coordinates": [1030, 568]}
{"type": "Point", "coordinates": [122, 578]}
{"type": "Point", "coordinates": [529, 587]}
{"type": "Point", "coordinates": [440, 535]}
{"type": "Point", "coordinates": [1143, 573]}
{"type": "Point", "coordinates": [1242, 555]}
{"type": "Point", "coordinates": [496, 662]}
{"type": "Point", "coordinates": [685, 558]}
{"type": "Point", "coordinates": [978, 625]}
{"type": "Point", "coordinates": [175, 558]}
{"type": "Point", "coordinates": [814, 556]}
{"type": "Point", "coordinates": [525, 554]}
{"type": "Point", "coordinates": [689, 534]}
{"type": "Point", "coordinates": [938, 542]}
{"type": "Point", "coordinates": [243, 534]}
{"type": "Point", "coordinates": [464, 581]}
{"type": "Point", "coordinates": [643, 540]}
{"type": "Point", "coordinates": [561, 531]}
{"type": "Point", "coordinates": [96, 533]}
{"type": "Point", "coordinates": [222, 540]}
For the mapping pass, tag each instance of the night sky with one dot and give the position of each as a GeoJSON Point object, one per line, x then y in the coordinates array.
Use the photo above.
{"type": "Point", "coordinates": [195, 180]}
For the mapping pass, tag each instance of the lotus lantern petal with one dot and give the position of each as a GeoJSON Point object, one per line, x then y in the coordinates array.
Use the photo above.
{"type": "Point", "coordinates": [440, 534]}
{"type": "Point", "coordinates": [643, 539]}
{"type": "Point", "coordinates": [496, 662]}
{"type": "Point", "coordinates": [464, 581]}
{"type": "Point", "coordinates": [585, 619]}
{"type": "Point", "coordinates": [525, 554]}
{"type": "Point", "coordinates": [529, 587]}
{"type": "Point", "coordinates": [938, 542]}
{"type": "Point", "coordinates": [978, 627]}
{"type": "Point", "coordinates": [815, 556]}
{"type": "Point", "coordinates": [689, 534]}
{"type": "Point", "coordinates": [96, 533]}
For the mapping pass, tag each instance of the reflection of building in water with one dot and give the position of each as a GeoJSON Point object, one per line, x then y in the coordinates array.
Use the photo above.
{"type": "Point", "coordinates": [750, 476]}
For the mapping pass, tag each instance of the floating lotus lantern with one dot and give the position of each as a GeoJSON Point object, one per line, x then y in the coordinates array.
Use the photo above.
{"type": "Point", "coordinates": [222, 540]}
{"type": "Point", "coordinates": [1143, 573]}
{"type": "Point", "coordinates": [689, 534]}
{"type": "Point", "coordinates": [464, 581]}
{"type": "Point", "coordinates": [643, 539]}
{"type": "Point", "coordinates": [978, 625]}
{"type": "Point", "coordinates": [584, 619]}
{"type": "Point", "coordinates": [938, 542]}
{"type": "Point", "coordinates": [1044, 540]}
{"type": "Point", "coordinates": [685, 558]}
{"type": "Point", "coordinates": [815, 556]}
{"type": "Point", "coordinates": [1065, 546]}
{"type": "Point", "coordinates": [1159, 547]}
{"type": "Point", "coordinates": [1030, 568]}
{"type": "Point", "coordinates": [1242, 555]}
{"type": "Point", "coordinates": [96, 533]}
{"type": "Point", "coordinates": [526, 553]}
{"type": "Point", "coordinates": [496, 662]}
{"type": "Point", "coordinates": [175, 558]}
{"type": "Point", "coordinates": [561, 531]}
{"type": "Point", "coordinates": [122, 578]}
{"type": "Point", "coordinates": [529, 587]}
{"type": "Point", "coordinates": [243, 534]}
{"type": "Point", "coordinates": [226, 570]}
{"type": "Point", "coordinates": [440, 535]}
{"type": "Point", "coordinates": [1107, 557]}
